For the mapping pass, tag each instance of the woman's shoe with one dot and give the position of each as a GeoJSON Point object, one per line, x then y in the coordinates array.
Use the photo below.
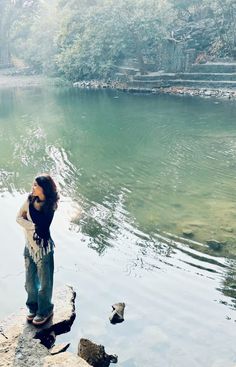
{"type": "Point", "coordinates": [40, 320]}
{"type": "Point", "coordinates": [30, 316]}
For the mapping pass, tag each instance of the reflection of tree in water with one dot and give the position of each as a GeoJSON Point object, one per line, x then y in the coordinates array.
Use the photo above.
{"type": "Point", "coordinates": [107, 226]}
{"type": "Point", "coordinates": [6, 179]}
{"type": "Point", "coordinates": [100, 233]}
{"type": "Point", "coordinates": [110, 225]}
{"type": "Point", "coordinates": [101, 222]}
{"type": "Point", "coordinates": [229, 285]}
{"type": "Point", "coordinates": [8, 100]}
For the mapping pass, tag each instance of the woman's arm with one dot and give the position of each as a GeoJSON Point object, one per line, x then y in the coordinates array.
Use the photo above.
{"type": "Point", "coordinates": [21, 217]}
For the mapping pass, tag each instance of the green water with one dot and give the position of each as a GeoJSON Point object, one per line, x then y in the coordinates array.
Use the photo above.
{"type": "Point", "coordinates": [143, 169]}
{"type": "Point", "coordinates": [173, 159]}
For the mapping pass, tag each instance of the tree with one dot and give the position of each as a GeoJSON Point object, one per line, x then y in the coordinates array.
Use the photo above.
{"type": "Point", "coordinates": [105, 34]}
{"type": "Point", "coordinates": [34, 35]}
{"type": "Point", "coordinates": [215, 19]}
{"type": "Point", "coordinates": [224, 15]}
{"type": "Point", "coordinates": [5, 22]}
{"type": "Point", "coordinates": [13, 13]}
{"type": "Point", "coordinates": [85, 39]}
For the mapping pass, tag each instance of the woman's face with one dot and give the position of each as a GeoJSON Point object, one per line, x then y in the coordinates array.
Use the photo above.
{"type": "Point", "coordinates": [37, 190]}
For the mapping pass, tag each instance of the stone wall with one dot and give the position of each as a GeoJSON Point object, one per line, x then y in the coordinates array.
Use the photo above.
{"type": "Point", "coordinates": [174, 56]}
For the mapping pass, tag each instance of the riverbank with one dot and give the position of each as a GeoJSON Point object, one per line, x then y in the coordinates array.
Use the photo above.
{"type": "Point", "coordinates": [22, 344]}
{"type": "Point", "coordinates": [200, 92]}
{"type": "Point", "coordinates": [24, 81]}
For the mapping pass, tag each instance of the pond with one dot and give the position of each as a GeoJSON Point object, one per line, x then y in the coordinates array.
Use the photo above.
{"type": "Point", "coordinates": [145, 182]}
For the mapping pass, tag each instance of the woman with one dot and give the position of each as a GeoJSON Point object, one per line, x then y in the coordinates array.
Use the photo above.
{"type": "Point", "coordinates": [35, 216]}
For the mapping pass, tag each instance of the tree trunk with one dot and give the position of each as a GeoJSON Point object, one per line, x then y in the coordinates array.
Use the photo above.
{"type": "Point", "coordinates": [142, 67]}
{"type": "Point", "coordinates": [5, 58]}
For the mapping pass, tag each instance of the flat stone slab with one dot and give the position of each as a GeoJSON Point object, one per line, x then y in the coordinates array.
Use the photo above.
{"type": "Point", "coordinates": [63, 318]}
{"type": "Point", "coordinates": [65, 360]}
{"type": "Point", "coordinates": [20, 342]}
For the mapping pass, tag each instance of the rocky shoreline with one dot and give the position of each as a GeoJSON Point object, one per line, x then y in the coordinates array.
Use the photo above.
{"type": "Point", "coordinates": [201, 92]}
{"type": "Point", "coordinates": [179, 91]}
{"type": "Point", "coordinates": [19, 81]}
{"type": "Point", "coordinates": [23, 344]}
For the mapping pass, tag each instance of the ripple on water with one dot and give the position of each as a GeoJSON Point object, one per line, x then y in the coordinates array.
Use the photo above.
{"type": "Point", "coordinates": [142, 175]}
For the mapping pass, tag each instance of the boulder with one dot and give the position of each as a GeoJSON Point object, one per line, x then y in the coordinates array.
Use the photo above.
{"type": "Point", "coordinates": [117, 315]}
{"type": "Point", "coordinates": [215, 245]}
{"type": "Point", "coordinates": [95, 354]}
{"type": "Point", "coordinates": [188, 232]}
{"type": "Point", "coordinates": [227, 229]}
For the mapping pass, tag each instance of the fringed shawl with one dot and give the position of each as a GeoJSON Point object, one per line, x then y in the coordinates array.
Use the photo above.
{"type": "Point", "coordinates": [36, 224]}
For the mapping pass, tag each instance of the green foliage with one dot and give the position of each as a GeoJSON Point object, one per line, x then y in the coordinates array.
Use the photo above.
{"type": "Point", "coordinates": [34, 35]}
{"type": "Point", "coordinates": [85, 39]}
{"type": "Point", "coordinates": [216, 20]}
{"type": "Point", "coordinates": [105, 34]}
{"type": "Point", "coordinates": [224, 12]}
{"type": "Point", "coordinates": [14, 13]}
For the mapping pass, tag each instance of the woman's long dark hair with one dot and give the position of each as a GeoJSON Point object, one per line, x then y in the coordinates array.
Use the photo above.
{"type": "Point", "coordinates": [50, 192]}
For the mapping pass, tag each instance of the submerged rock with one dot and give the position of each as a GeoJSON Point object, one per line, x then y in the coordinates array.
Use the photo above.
{"type": "Point", "coordinates": [215, 245]}
{"type": "Point", "coordinates": [227, 229]}
{"type": "Point", "coordinates": [95, 354]}
{"type": "Point", "coordinates": [188, 233]}
{"type": "Point", "coordinates": [117, 315]}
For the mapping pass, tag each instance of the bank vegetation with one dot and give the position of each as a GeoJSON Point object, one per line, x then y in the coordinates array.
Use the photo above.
{"type": "Point", "coordinates": [90, 39]}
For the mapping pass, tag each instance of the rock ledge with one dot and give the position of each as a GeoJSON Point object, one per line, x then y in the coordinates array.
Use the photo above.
{"type": "Point", "coordinates": [23, 345]}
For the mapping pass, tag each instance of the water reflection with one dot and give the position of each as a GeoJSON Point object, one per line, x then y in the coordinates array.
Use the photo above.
{"type": "Point", "coordinates": [228, 287]}
{"type": "Point", "coordinates": [128, 189]}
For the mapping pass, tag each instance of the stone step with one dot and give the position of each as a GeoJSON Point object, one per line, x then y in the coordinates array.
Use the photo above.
{"type": "Point", "coordinates": [204, 83]}
{"type": "Point", "coordinates": [150, 84]}
{"type": "Point", "coordinates": [186, 76]}
{"type": "Point", "coordinates": [121, 77]}
{"type": "Point", "coordinates": [125, 70]}
{"type": "Point", "coordinates": [214, 67]}
{"type": "Point", "coordinates": [155, 76]}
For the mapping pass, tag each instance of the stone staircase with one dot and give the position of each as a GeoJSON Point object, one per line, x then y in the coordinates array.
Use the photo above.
{"type": "Point", "coordinates": [216, 75]}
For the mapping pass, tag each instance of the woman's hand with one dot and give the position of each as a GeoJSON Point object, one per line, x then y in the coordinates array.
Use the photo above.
{"type": "Point", "coordinates": [24, 215]}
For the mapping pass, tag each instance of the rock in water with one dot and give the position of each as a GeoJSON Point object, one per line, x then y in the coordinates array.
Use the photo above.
{"type": "Point", "coordinates": [188, 232]}
{"type": "Point", "coordinates": [215, 245]}
{"type": "Point", "coordinates": [117, 315]}
{"type": "Point", "coordinates": [18, 345]}
{"type": "Point", "coordinates": [63, 317]}
{"type": "Point", "coordinates": [95, 354]}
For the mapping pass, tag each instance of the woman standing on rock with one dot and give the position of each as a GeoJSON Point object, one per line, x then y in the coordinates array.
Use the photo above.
{"type": "Point", "coordinates": [35, 216]}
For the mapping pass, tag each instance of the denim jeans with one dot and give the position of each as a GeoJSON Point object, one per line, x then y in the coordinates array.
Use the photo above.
{"type": "Point", "coordinates": [39, 283]}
